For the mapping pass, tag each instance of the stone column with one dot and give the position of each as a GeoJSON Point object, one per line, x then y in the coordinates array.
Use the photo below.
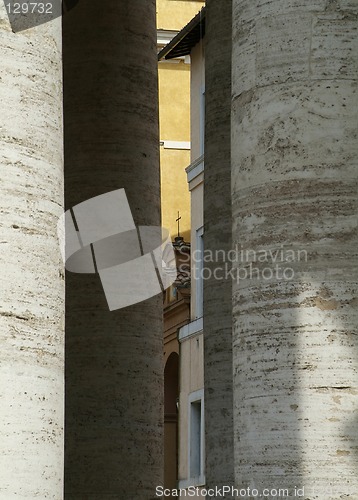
{"type": "Point", "coordinates": [31, 270]}
{"type": "Point", "coordinates": [294, 188]}
{"type": "Point", "coordinates": [114, 372]}
{"type": "Point", "coordinates": [219, 469]}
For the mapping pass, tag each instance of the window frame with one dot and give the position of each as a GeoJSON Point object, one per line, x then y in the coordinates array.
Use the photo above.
{"type": "Point", "coordinates": [199, 285]}
{"type": "Point", "coordinates": [195, 397]}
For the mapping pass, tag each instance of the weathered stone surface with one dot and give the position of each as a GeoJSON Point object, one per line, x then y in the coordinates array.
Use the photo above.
{"type": "Point", "coordinates": [334, 47]}
{"type": "Point", "coordinates": [294, 186]}
{"type": "Point", "coordinates": [252, 11]}
{"type": "Point", "coordinates": [272, 143]}
{"type": "Point", "coordinates": [217, 236]}
{"type": "Point", "coordinates": [31, 271]}
{"type": "Point", "coordinates": [282, 48]}
{"type": "Point", "coordinates": [114, 374]}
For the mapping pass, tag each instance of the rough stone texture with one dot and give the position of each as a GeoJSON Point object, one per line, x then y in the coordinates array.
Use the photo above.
{"type": "Point", "coordinates": [31, 271]}
{"type": "Point", "coordinates": [114, 372]}
{"type": "Point", "coordinates": [294, 183]}
{"type": "Point", "coordinates": [219, 469]}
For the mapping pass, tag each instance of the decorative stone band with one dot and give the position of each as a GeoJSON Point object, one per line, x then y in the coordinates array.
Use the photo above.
{"type": "Point", "coordinates": [134, 263]}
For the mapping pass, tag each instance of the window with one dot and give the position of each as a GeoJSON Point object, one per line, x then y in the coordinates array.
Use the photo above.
{"type": "Point", "coordinates": [196, 437]}
{"type": "Point", "coordinates": [198, 264]}
{"type": "Point", "coordinates": [202, 120]}
{"type": "Point", "coordinates": [172, 294]}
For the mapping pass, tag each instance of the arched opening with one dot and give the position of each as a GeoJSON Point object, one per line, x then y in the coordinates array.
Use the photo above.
{"type": "Point", "coordinates": [171, 393]}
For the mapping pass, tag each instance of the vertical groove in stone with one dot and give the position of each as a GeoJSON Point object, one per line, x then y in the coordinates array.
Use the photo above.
{"type": "Point", "coordinates": [31, 271]}
{"type": "Point", "coordinates": [114, 370]}
{"type": "Point", "coordinates": [217, 236]}
{"type": "Point", "coordinates": [294, 187]}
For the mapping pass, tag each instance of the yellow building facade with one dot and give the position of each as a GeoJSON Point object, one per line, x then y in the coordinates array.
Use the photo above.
{"type": "Point", "coordinates": [174, 116]}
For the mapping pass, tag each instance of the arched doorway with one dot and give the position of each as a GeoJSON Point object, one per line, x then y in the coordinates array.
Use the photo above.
{"type": "Point", "coordinates": [171, 394]}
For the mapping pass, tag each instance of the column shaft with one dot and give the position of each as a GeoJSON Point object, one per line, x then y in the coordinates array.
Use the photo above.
{"type": "Point", "coordinates": [294, 187]}
{"type": "Point", "coordinates": [114, 372]}
{"type": "Point", "coordinates": [31, 269]}
{"type": "Point", "coordinates": [217, 239]}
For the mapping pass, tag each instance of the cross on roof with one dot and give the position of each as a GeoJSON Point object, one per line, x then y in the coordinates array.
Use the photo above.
{"type": "Point", "coordinates": [178, 221]}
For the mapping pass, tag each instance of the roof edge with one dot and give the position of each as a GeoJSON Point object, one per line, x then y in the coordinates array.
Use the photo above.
{"type": "Point", "coordinates": [167, 51]}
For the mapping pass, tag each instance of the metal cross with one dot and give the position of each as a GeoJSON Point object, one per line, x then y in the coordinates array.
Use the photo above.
{"type": "Point", "coordinates": [178, 221]}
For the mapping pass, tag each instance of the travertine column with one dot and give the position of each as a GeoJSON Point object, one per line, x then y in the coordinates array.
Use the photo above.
{"type": "Point", "coordinates": [219, 467]}
{"type": "Point", "coordinates": [294, 188]}
{"type": "Point", "coordinates": [114, 372]}
{"type": "Point", "coordinates": [31, 270]}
